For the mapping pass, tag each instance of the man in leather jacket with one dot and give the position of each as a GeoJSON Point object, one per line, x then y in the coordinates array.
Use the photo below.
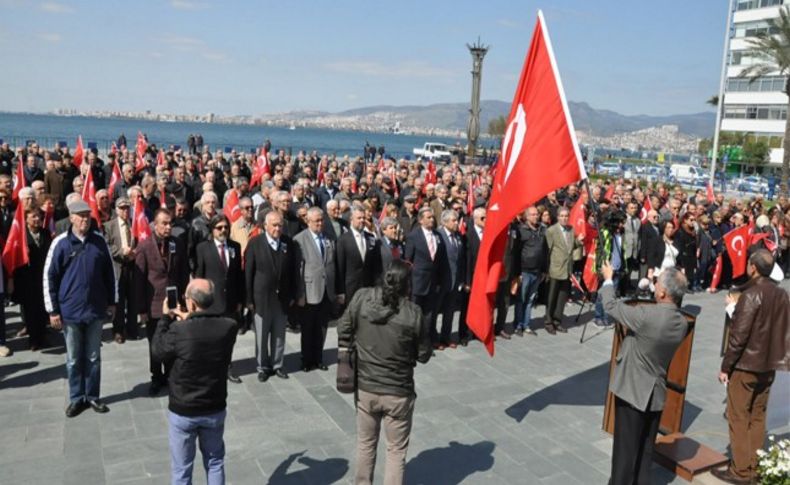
{"type": "Point", "coordinates": [757, 348]}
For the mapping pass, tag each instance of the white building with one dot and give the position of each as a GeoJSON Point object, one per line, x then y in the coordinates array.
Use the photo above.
{"type": "Point", "coordinates": [758, 108]}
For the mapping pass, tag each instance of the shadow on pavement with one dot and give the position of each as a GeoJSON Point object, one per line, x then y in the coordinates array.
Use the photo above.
{"type": "Point", "coordinates": [449, 464]}
{"type": "Point", "coordinates": [586, 388]}
{"type": "Point", "coordinates": [33, 378]}
{"type": "Point", "coordinates": [318, 471]}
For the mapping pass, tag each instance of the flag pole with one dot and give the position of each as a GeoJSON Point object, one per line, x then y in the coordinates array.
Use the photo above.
{"type": "Point", "coordinates": [720, 104]}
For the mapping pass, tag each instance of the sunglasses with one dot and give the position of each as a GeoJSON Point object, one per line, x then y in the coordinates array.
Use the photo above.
{"type": "Point", "coordinates": [221, 228]}
{"type": "Point", "coordinates": [246, 208]}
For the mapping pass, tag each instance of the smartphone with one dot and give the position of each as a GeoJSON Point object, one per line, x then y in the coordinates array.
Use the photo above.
{"type": "Point", "coordinates": [172, 297]}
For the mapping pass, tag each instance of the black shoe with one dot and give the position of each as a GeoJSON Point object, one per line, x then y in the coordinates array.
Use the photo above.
{"type": "Point", "coordinates": [154, 388]}
{"type": "Point", "coordinates": [307, 368]}
{"type": "Point", "coordinates": [550, 328]}
{"type": "Point", "coordinates": [322, 367]}
{"type": "Point", "coordinates": [281, 374]}
{"type": "Point", "coordinates": [99, 406]}
{"type": "Point", "coordinates": [76, 408]}
{"type": "Point", "coordinates": [234, 378]}
{"type": "Point", "coordinates": [263, 376]}
{"type": "Point", "coordinates": [519, 332]}
{"type": "Point", "coordinates": [464, 342]}
{"type": "Point", "coordinates": [726, 476]}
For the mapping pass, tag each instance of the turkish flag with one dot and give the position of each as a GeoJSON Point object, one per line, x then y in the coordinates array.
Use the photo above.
{"type": "Point", "coordinates": [160, 158]}
{"type": "Point", "coordinates": [539, 154]}
{"type": "Point", "coordinates": [430, 177]}
{"type": "Point", "coordinates": [15, 253]}
{"type": "Point", "coordinates": [142, 145]}
{"type": "Point", "coordinates": [589, 275]}
{"type": "Point", "coordinates": [261, 168]}
{"type": "Point", "coordinates": [231, 209]}
{"type": "Point", "coordinates": [709, 192]}
{"type": "Point", "coordinates": [646, 207]}
{"type": "Point", "coordinates": [19, 180]}
{"type": "Point", "coordinates": [114, 178]}
{"type": "Point", "coordinates": [141, 230]}
{"type": "Point", "coordinates": [714, 282]}
{"type": "Point", "coordinates": [737, 243]}
{"type": "Point", "coordinates": [578, 216]}
{"type": "Point", "coordinates": [79, 153]}
{"type": "Point", "coordinates": [89, 196]}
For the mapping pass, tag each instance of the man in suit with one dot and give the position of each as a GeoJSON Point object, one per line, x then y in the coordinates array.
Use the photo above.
{"type": "Point", "coordinates": [561, 244]}
{"type": "Point", "coordinates": [391, 246]}
{"type": "Point", "coordinates": [199, 230]}
{"type": "Point", "coordinates": [327, 191]}
{"type": "Point", "coordinates": [473, 237]}
{"type": "Point", "coordinates": [119, 237]}
{"type": "Point", "coordinates": [334, 225]}
{"type": "Point", "coordinates": [271, 280]}
{"type": "Point", "coordinates": [651, 249]}
{"type": "Point", "coordinates": [358, 257]}
{"type": "Point", "coordinates": [652, 334]}
{"type": "Point", "coordinates": [630, 244]}
{"type": "Point", "coordinates": [317, 294]}
{"type": "Point", "coordinates": [219, 260]}
{"type": "Point", "coordinates": [160, 261]}
{"type": "Point", "coordinates": [428, 256]}
{"type": "Point", "coordinates": [453, 280]}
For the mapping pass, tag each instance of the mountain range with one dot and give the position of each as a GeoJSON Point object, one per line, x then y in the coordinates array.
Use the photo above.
{"type": "Point", "coordinates": [454, 116]}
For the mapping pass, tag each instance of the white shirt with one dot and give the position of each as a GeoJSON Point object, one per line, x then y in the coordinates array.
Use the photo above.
{"type": "Point", "coordinates": [359, 239]}
{"type": "Point", "coordinates": [274, 243]}
{"type": "Point", "coordinates": [223, 246]}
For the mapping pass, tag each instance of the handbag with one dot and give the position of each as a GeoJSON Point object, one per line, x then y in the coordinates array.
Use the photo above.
{"type": "Point", "coordinates": [347, 370]}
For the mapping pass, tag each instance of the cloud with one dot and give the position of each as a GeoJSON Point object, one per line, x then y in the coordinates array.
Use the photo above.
{"type": "Point", "coordinates": [214, 56]}
{"type": "Point", "coordinates": [54, 7]}
{"type": "Point", "coordinates": [181, 42]}
{"type": "Point", "coordinates": [509, 24]}
{"type": "Point", "coordinates": [188, 5]}
{"type": "Point", "coordinates": [411, 69]}
{"type": "Point", "coordinates": [53, 37]}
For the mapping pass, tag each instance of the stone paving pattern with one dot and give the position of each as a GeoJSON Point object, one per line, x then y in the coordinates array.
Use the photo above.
{"type": "Point", "coordinates": [530, 415]}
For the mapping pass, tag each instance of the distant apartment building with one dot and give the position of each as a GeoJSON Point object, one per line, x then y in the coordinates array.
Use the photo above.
{"type": "Point", "coordinates": [757, 108]}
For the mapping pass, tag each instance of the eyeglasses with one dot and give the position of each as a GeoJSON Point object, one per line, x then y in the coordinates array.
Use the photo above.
{"type": "Point", "coordinates": [221, 228]}
{"type": "Point", "coordinates": [246, 208]}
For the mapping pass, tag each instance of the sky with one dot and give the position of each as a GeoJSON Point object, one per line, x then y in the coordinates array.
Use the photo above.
{"type": "Point", "coordinates": [253, 57]}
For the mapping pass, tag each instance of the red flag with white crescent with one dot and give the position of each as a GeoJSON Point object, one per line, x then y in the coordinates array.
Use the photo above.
{"type": "Point", "coordinates": [737, 243]}
{"type": "Point", "coordinates": [646, 207]}
{"type": "Point", "coordinates": [141, 230]}
{"type": "Point", "coordinates": [15, 254]}
{"type": "Point", "coordinates": [232, 209]}
{"type": "Point", "coordinates": [19, 180]}
{"type": "Point", "coordinates": [114, 178]}
{"type": "Point", "coordinates": [540, 139]}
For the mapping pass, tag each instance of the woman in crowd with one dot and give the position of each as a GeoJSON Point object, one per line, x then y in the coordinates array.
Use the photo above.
{"type": "Point", "coordinates": [686, 243]}
{"type": "Point", "coordinates": [669, 249]}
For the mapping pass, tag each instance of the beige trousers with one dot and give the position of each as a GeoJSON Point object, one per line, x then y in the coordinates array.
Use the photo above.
{"type": "Point", "coordinates": [396, 414]}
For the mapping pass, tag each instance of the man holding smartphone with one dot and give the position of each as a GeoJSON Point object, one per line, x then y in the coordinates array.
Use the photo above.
{"type": "Point", "coordinates": [160, 261]}
{"type": "Point", "coordinates": [197, 346]}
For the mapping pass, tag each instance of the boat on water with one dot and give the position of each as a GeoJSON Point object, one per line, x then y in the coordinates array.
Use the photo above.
{"type": "Point", "coordinates": [292, 126]}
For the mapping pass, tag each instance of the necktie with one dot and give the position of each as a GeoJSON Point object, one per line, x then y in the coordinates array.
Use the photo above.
{"type": "Point", "coordinates": [361, 246]}
{"type": "Point", "coordinates": [431, 246]}
{"type": "Point", "coordinates": [124, 233]}
{"type": "Point", "coordinates": [320, 245]}
{"type": "Point", "coordinates": [222, 256]}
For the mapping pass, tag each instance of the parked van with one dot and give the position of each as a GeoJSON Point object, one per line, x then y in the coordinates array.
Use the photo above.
{"type": "Point", "coordinates": [685, 173]}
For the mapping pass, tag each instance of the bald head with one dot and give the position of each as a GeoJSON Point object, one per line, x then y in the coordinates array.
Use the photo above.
{"type": "Point", "coordinates": [201, 292]}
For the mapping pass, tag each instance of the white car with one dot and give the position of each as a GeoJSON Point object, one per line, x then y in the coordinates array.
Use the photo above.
{"type": "Point", "coordinates": [753, 183]}
{"type": "Point", "coordinates": [611, 169]}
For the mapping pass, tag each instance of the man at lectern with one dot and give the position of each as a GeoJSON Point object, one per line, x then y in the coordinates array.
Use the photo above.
{"type": "Point", "coordinates": [652, 334]}
{"type": "Point", "coordinates": [756, 349]}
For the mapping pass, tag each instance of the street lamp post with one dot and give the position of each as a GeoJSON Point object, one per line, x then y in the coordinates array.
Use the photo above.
{"type": "Point", "coordinates": [478, 52]}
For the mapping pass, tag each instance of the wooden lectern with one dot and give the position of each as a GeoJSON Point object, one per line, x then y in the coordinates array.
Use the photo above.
{"type": "Point", "coordinates": [674, 451]}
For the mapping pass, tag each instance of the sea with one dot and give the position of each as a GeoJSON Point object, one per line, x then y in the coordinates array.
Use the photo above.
{"type": "Point", "coordinates": [49, 131]}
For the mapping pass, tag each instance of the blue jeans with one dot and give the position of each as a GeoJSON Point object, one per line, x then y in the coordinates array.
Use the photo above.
{"type": "Point", "coordinates": [600, 314]}
{"type": "Point", "coordinates": [83, 359]}
{"type": "Point", "coordinates": [530, 282]}
{"type": "Point", "coordinates": [208, 430]}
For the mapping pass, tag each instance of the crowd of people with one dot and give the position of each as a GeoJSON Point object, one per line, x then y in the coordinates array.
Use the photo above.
{"type": "Point", "coordinates": [276, 242]}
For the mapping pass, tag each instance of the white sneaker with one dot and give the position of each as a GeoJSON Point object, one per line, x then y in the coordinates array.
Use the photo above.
{"type": "Point", "coordinates": [5, 351]}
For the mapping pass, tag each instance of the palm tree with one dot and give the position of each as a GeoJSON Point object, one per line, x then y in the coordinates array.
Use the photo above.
{"type": "Point", "coordinates": [774, 49]}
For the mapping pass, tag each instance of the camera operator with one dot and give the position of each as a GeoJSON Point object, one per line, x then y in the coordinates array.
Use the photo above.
{"type": "Point", "coordinates": [197, 346]}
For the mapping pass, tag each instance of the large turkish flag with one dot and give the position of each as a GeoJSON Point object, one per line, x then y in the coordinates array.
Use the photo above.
{"type": "Point", "coordinates": [539, 154]}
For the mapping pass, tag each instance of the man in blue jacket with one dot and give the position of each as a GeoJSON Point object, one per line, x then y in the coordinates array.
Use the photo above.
{"type": "Point", "coordinates": [79, 289]}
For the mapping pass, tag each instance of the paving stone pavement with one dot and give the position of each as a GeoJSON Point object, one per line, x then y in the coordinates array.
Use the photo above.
{"type": "Point", "coordinates": [530, 415]}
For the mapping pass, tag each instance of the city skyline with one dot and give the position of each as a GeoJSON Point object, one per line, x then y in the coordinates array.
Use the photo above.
{"type": "Point", "coordinates": [193, 57]}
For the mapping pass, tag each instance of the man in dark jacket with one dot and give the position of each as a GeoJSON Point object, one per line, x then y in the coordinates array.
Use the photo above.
{"type": "Point", "coordinates": [756, 349]}
{"type": "Point", "coordinates": [530, 254]}
{"type": "Point", "coordinates": [160, 261]}
{"type": "Point", "coordinates": [79, 265]}
{"type": "Point", "coordinates": [390, 336]}
{"type": "Point", "coordinates": [197, 347]}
